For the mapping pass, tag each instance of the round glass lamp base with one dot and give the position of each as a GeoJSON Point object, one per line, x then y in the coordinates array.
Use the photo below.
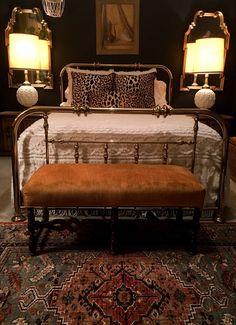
{"type": "Point", "coordinates": [27, 95]}
{"type": "Point", "coordinates": [205, 98]}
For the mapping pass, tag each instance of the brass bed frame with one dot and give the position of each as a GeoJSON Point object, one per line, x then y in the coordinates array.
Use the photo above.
{"type": "Point", "coordinates": [162, 71]}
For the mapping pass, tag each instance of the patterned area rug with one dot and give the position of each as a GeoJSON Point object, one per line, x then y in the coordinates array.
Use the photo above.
{"type": "Point", "coordinates": [150, 284]}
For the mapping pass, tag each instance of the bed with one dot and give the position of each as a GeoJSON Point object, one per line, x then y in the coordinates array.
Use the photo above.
{"type": "Point", "coordinates": [118, 125]}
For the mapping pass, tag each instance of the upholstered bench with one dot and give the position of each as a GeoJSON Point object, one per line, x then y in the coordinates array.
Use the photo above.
{"type": "Point", "coordinates": [113, 185]}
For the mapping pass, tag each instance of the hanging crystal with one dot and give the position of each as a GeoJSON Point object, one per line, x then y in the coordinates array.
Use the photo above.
{"type": "Point", "coordinates": [53, 8]}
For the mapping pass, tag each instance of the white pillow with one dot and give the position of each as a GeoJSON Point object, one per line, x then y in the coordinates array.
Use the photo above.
{"type": "Point", "coordinates": [160, 92]}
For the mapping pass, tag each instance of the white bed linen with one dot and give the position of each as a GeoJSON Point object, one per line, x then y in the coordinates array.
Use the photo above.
{"type": "Point", "coordinates": [131, 127]}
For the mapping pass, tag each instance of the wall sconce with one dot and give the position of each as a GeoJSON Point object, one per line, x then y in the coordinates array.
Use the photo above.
{"type": "Point", "coordinates": [204, 57]}
{"type": "Point", "coordinates": [29, 41]}
{"type": "Point", "coordinates": [205, 47]}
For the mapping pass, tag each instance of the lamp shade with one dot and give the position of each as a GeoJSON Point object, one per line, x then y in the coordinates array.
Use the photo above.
{"type": "Point", "coordinates": [209, 55]}
{"type": "Point", "coordinates": [190, 57]}
{"type": "Point", "coordinates": [44, 51]}
{"type": "Point", "coordinates": [23, 51]}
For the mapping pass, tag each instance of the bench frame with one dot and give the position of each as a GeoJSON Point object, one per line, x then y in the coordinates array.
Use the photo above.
{"type": "Point", "coordinates": [35, 227]}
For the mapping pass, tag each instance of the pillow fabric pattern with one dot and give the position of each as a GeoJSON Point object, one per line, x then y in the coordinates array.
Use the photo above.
{"type": "Point", "coordinates": [110, 99]}
{"type": "Point", "coordinates": [135, 89]}
{"type": "Point", "coordinates": [89, 88]}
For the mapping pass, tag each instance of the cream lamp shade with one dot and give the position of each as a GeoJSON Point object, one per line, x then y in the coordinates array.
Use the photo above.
{"type": "Point", "coordinates": [209, 55]}
{"type": "Point", "coordinates": [24, 54]}
{"type": "Point", "coordinates": [44, 52]}
{"type": "Point", "coordinates": [23, 51]}
{"type": "Point", "coordinates": [190, 57]}
{"type": "Point", "coordinates": [209, 59]}
{"type": "Point", "coordinates": [190, 61]}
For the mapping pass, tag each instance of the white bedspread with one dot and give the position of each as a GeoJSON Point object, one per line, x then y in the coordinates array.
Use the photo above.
{"type": "Point", "coordinates": [118, 127]}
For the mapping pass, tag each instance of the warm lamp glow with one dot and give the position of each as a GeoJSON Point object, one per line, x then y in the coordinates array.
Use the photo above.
{"type": "Point", "coordinates": [23, 51]}
{"type": "Point", "coordinates": [190, 57]}
{"type": "Point", "coordinates": [209, 56]}
{"type": "Point", "coordinates": [44, 51]}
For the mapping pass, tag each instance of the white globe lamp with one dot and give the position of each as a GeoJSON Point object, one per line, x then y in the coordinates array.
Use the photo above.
{"type": "Point", "coordinates": [27, 95]}
{"type": "Point", "coordinates": [205, 98]}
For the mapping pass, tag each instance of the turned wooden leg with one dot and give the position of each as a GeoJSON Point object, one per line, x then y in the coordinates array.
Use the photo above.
{"type": "Point", "coordinates": [45, 215]}
{"type": "Point", "coordinates": [179, 217]}
{"type": "Point", "coordinates": [32, 230]}
{"type": "Point", "coordinates": [195, 229]}
{"type": "Point", "coordinates": [114, 222]}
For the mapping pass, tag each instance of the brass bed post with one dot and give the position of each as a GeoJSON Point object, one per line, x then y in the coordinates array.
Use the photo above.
{"type": "Point", "coordinates": [46, 126]}
{"type": "Point", "coordinates": [195, 132]}
{"type": "Point", "coordinates": [15, 168]}
{"type": "Point", "coordinates": [203, 114]}
{"type": "Point", "coordinates": [218, 217]}
{"type": "Point", "coordinates": [16, 191]}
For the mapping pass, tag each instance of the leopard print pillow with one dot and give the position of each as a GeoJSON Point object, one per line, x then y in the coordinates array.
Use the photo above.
{"type": "Point", "coordinates": [88, 88]}
{"type": "Point", "coordinates": [135, 89]}
{"type": "Point", "coordinates": [110, 99]}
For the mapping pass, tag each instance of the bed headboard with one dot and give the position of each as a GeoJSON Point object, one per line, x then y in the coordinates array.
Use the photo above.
{"type": "Point", "coordinates": [163, 73]}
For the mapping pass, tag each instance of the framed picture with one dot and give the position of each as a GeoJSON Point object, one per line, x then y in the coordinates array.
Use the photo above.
{"type": "Point", "coordinates": [117, 26]}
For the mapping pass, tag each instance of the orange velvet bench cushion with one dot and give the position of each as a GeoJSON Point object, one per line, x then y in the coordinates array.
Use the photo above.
{"type": "Point", "coordinates": [113, 185]}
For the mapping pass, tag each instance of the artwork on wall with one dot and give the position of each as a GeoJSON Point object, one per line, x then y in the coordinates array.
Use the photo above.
{"type": "Point", "coordinates": [117, 26]}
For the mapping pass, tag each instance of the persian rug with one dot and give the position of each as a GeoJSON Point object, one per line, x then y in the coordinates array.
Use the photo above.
{"type": "Point", "coordinates": [75, 280]}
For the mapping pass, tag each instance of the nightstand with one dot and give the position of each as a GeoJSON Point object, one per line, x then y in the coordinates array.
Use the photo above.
{"type": "Point", "coordinates": [6, 120]}
{"type": "Point", "coordinates": [229, 121]}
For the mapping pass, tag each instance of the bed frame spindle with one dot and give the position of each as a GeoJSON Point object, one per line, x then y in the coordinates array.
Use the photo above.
{"type": "Point", "coordinates": [165, 153]}
{"type": "Point", "coordinates": [76, 155]}
{"type": "Point", "coordinates": [105, 155]}
{"type": "Point", "coordinates": [136, 153]}
{"type": "Point", "coordinates": [195, 130]}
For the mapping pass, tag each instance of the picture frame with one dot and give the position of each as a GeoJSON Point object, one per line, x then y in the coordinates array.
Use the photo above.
{"type": "Point", "coordinates": [117, 27]}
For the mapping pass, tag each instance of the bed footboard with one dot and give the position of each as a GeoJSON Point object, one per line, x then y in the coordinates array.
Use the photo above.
{"type": "Point", "coordinates": [114, 185]}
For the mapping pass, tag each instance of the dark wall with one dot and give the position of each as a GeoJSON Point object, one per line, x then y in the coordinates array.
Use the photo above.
{"type": "Point", "coordinates": [162, 27]}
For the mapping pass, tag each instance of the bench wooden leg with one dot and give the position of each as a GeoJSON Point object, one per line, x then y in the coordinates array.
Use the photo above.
{"type": "Point", "coordinates": [32, 230]}
{"type": "Point", "coordinates": [195, 229]}
{"type": "Point", "coordinates": [114, 222]}
{"type": "Point", "coordinates": [179, 218]}
{"type": "Point", "coordinates": [45, 215]}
